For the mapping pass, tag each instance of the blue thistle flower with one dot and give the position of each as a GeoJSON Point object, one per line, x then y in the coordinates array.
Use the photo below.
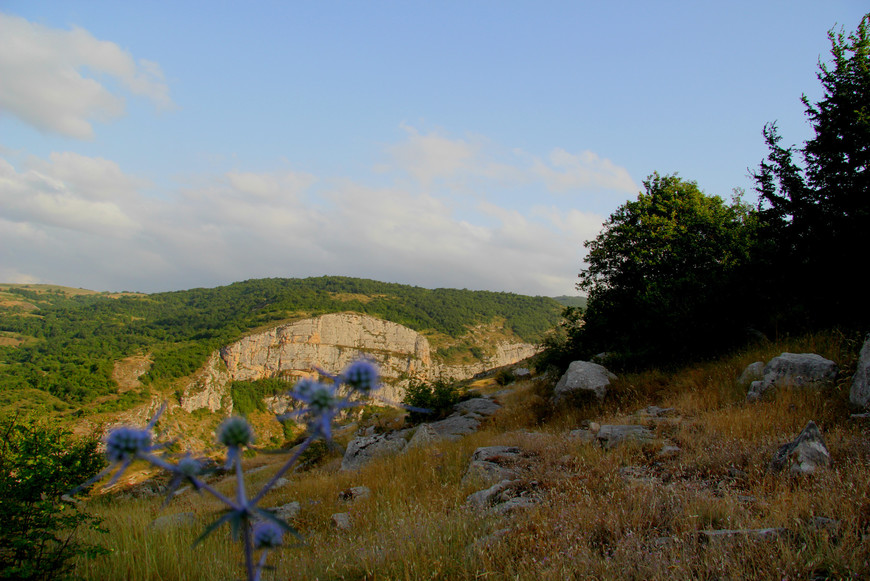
{"type": "Point", "coordinates": [362, 376]}
{"type": "Point", "coordinates": [267, 535]}
{"type": "Point", "coordinates": [234, 433]}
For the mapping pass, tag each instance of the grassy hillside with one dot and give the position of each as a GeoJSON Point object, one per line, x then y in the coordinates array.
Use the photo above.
{"type": "Point", "coordinates": [59, 346]}
{"type": "Point", "coordinates": [633, 512]}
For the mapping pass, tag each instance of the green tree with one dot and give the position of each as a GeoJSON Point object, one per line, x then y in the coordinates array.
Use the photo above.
{"type": "Point", "coordinates": [38, 465]}
{"type": "Point", "coordinates": [817, 209]}
{"type": "Point", "coordinates": [666, 275]}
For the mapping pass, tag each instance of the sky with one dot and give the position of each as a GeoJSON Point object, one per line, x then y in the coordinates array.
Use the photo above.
{"type": "Point", "coordinates": [154, 146]}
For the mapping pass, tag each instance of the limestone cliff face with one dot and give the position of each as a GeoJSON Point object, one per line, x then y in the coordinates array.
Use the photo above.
{"type": "Point", "coordinates": [330, 342]}
{"type": "Point", "coordinates": [209, 387]}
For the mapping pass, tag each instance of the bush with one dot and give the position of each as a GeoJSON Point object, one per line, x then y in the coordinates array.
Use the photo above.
{"type": "Point", "coordinates": [431, 401]}
{"type": "Point", "coordinates": [39, 463]}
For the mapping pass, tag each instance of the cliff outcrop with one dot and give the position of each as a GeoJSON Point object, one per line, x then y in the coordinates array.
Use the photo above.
{"type": "Point", "coordinates": [330, 342]}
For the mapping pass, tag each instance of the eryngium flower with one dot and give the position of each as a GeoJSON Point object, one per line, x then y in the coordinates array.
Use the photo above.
{"type": "Point", "coordinates": [125, 443]}
{"type": "Point", "coordinates": [267, 535]}
{"type": "Point", "coordinates": [362, 376]}
{"type": "Point", "coordinates": [235, 431]}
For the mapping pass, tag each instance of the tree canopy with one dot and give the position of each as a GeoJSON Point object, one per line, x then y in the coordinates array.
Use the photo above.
{"type": "Point", "coordinates": [664, 269]}
{"type": "Point", "coordinates": [817, 208]}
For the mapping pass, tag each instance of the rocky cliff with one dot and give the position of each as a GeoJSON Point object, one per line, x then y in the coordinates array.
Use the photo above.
{"type": "Point", "coordinates": [330, 342]}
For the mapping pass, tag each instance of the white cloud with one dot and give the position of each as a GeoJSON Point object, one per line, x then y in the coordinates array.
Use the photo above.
{"type": "Point", "coordinates": [43, 83]}
{"type": "Point", "coordinates": [44, 199]}
{"type": "Point", "coordinates": [585, 170]}
{"type": "Point", "coordinates": [85, 222]}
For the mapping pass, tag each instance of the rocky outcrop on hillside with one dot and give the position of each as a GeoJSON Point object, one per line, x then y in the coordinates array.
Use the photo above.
{"type": "Point", "coordinates": [331, 342]}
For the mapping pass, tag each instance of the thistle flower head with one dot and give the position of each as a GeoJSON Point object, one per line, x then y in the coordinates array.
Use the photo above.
{"type": "Point", "coordinates": [188, 467]}
{"type": "Point", "coordinates": [125, 443]}
{"type": "Point", "coordinates": [235, 431]}
{"type": "Point", "coordinates": [362, 376]}
{"type": "Point", "coordinates": [267, 535]}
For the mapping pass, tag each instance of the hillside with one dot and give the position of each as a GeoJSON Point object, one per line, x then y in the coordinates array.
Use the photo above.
{"type": "Point", "coordinates": [74, 351]}
{"type": "Point", "coordinates": [694, 500]}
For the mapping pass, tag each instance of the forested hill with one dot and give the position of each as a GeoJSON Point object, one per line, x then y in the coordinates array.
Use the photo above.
{"type": "Point", "coordinates": [64, 342]}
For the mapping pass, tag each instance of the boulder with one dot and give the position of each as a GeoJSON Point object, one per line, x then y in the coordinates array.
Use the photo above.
{"type": "Point", "coordinates": [859, 395]}
{"type": "Point", "coordinates": [795, 370]}
{"type": "Point", "coordinates": [287, 511]}
{"type": "Point", "coordinates": [455, 426]}
{"type": "Point", "coordinates": [478, 406]}
{"type": "Point", "coordinates": [720, 535]}
{"type": "Point", "coordinates": [486, 498]}
{"type": "Point", "coordinates": [752, 372]}
{"type": "Point", "coordinates": [341, 521]}
{"type": "Point", "coordinates": [364, 449]}
{"type": "Point", "coordinates": [423, 436]}
{"type": "Point", "coordinates": [806, 454]}
{"type": "Point", "coordinates": [610, 436]}
{"type": "Point", "coordinates": [488, 464]}
{"type": "Point", "coordinates": [583, 377]}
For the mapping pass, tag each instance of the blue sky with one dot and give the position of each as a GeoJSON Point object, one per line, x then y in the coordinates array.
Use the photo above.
{"type": "Point", "coordinates": [475, 144]}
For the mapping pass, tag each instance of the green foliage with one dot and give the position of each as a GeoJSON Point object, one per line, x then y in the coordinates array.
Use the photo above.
{"type": "Point", "coordinates": [38, 464]}
{"type": "Point", "coordinates": [438, 397]}
{"type": "Point", "coordinates": [248, 395]}
{"type": "Point", "coordinates": [665, 277]}
{"type": "Point", "coordinates": [817, 211]}
{"type": "Point", "coordinates": [73, 340]}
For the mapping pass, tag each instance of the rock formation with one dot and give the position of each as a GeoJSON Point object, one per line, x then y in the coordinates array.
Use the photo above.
{"type": "Point", "coordinates": [330, 342]}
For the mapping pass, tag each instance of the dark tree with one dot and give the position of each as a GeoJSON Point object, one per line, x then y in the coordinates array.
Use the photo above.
{"type": "Point", "coordinates": [817, 209]}
{"type": "Point", "coordinates": [664, 277]}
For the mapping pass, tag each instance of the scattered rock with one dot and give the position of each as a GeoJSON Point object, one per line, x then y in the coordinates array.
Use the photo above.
{"type": "Point", "coordinates": [583, 377]}
{"type": "Point", "coordinates": [513, 504]}
{"type": "Point", "coordinates": [488, 464]}
{"type": "Point", "coordinates": [355, 493]}
{"type": "Point", "coordinates": [173, 521]}
{"type": "Point", "coordinates": [668, 450]}
{"type": "Point", "coordinates": [859, 395]}
{"type": "Point", "coordinates": [611, 436]}
{"type": "Point", "coordinates": [496, 454]}
{"type": "Point", "coordinates": [341, 521]}
{"type": "Point", "coordinates": [287, 511]}
{"type": "Point", "coordinates": [795, 370]}
{"type": "Point", "coordinates": [364, 449]}
{"type": "Point", "coordinates": [806, 454]}
{"type": "Point", "coordinates": [478, 406]}
{"type": "Point", "coordinates": [521, 372]}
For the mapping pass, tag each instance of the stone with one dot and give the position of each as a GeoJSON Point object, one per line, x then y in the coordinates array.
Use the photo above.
{"type": "Point", "coordinates": [172, 521]}
{"type": "Point", "coordinates": [514, 504]}
{"type": "Point", "coordinates": [795, 370]}
{"type": "Point", "coordinates": [455, 426]}
{"type": "Point", "coordinates": [752, 372]}
{"type": "Point", "coordinates": [859, 395]}
{"type": "Point", "coordinates": [423, 436]}
{"type": "Point", "coordinates": [341, 521]}
{"type": "Point", "coordinates": [487, 473]}
{"type": "Point", "coordinates": [655, 412]}
{"type": "Point", "coordinates": [287, 511]}
{"type": "Point", "coordinates": [806, 454]}
{"type": "Point", "coordinates": [479, 406]}
{"type": "Point", "coordinates": [582, 435]}
{"type": "Point", "coordinates": [363, 450]}
{"type": "Point", "coordinates": [610, 436]}
{"type": "Point", "coordinates": [485, 498]}
{"type": "Point", "coordinates": [497, 454]}
{"type": "Point", "coordinates": [583, 377]}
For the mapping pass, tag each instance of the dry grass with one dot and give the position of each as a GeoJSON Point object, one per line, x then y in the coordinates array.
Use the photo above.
{"type": "Point", "coordinates": [628, 513]}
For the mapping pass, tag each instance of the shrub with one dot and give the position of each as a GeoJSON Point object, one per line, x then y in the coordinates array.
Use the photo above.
{"type": "Point", "coordinates": [38, 464]}
{"type": "Point", "coordinates": [431, 401]}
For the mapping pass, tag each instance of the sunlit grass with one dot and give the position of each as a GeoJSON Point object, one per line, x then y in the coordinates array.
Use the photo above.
{"type": "Point", "coordinates": [593, 522]}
